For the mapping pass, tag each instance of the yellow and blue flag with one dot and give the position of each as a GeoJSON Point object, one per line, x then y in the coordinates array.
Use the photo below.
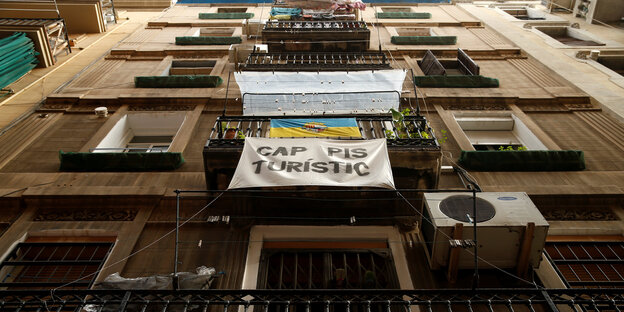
{"type": "Point", "coordinates": [315, 127]}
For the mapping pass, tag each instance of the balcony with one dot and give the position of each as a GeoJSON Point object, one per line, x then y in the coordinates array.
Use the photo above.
{"type": "Point", "coordinates": [414, 132]}
{"type": "Point", "coordinates": [413, 151]}
{"type": "Point", "coordinates": [548, 300]}
{"type": "Point", "coordinates": [316, 36]}
{"type": "Point", "coordinates": [316, 61]}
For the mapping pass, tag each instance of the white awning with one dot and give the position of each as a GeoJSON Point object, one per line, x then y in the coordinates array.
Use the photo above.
{"type": "Point", "coordinates": [312, 93]}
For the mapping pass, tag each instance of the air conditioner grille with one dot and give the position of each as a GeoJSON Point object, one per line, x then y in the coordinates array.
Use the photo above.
{"type": "Point", "coordinates": [458, 207]}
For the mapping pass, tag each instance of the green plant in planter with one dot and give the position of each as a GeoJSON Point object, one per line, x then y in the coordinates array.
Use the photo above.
{"type": "Point", "coordinates": [511, 148]}
{"type": "Point", "coordinates": [399, 117]}
{"type": "Point", "coordinates": [240, 135]}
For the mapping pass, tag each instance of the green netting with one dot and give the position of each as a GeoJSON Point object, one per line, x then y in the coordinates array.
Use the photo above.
{"type": "Point", "coordinates": [177, 81]}
{"type": "Point", "coordinates": [235, 15]}
{"type": "Point", "coordinates": [208, 40]}
{"type": "Point", "coordinates": [568, 160]}
{"type": "Point", "coordinates": [455, 81]}
{"type": "Point", "coordinates": [422, 40]}
{"type": "Point", "coordinates": [120, 161]}
{"type": "Point", "coordinates": [415, 15]}
{"type": "Point", "coordinates": [17, 57]}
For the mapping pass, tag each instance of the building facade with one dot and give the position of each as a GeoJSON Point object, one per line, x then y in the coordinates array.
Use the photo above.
{"type": "Point", "coordinates": [126, 167]}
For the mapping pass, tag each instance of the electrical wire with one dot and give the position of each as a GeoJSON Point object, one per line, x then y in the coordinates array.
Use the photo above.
{"type": "Point", "coordinates": [140, 250]}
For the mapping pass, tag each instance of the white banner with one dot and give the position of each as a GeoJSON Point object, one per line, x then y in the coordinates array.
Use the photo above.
{"type": "Point", "coordinates": [267, 162]}
{"type": "Point", "coordinates": [318, 93]}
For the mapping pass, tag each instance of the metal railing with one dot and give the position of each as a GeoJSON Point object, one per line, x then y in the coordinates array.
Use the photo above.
{"type": "Point", "coordinates": [412, 131]}
{"type": "Point", "coordinates": [318, 61]}
{"type": "Point", "coordinates": [314, 26]}
{"type": "Point", "coordinates": [508, 300]}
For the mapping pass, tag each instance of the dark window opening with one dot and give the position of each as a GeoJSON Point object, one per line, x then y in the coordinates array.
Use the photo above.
{"type": "Point", "coordinates": [231, 10]}
{"type": "Point", "coordinates": [522, 14]}
{"type": "Point", "coordinates": [390, 9]}
{"type": "Point", "coordinates": [568, 37]}
{"type": "Point", "coordinates": [53, 264]}
{"type": "Point", "coordinates": [614, 63]}
{"type": "Point", "coordinates": [327, 269]}
{"type": "Point", "coordinates": [588, 264]}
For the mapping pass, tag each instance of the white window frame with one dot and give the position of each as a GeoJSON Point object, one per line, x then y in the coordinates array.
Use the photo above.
{"type": "Point", "coordinates": [261, 233]}
{"type": "Point", "coordinates": [118, 139]}
{"type": "Point", "coordinates": [499, 121]}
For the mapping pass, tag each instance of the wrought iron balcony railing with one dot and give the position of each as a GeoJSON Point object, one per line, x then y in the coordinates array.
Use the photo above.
{"type": "Point", "coordinates": [319, 61]}
{"type": "Point", "coordinates": [412, 131]}
{"type": "Point", "coordinates": [370, 300]}
{"type": "Point", "coordinates": [313, 26]}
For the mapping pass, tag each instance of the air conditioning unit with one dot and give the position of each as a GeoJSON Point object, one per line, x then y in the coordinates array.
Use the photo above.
{"type": "Point", "coordinates": [502, 219]}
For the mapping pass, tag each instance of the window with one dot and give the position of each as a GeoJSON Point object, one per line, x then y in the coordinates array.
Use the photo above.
{"type": "Point", "coordinates": [191, 67]}
{"type": "Point", "coordinates": [327, 269]}
{"type": "Point", "coordinates": [613, 62]}
{"type": "Point", "coordinates": [414, 31]}
{"type": "Point", "coordinates": [319, 256]}
{"type": "Point", "coordinates": [52, 264]}
{"type": "Point", "coordinates": [524, 13]}
{"type": "Point", "coordinates": [588, 264]}
{"type": "Point", "coordinates": [502, 131]}
{"type": "Point", "coordinates": [569, 36]}
{"type": "Point", "coordinates": [142, 132]}
{"type": "Point", "coordinates": [464, 65]}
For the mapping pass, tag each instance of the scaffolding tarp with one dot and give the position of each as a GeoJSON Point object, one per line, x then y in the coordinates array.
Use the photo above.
{"type": "Point", "coordinates": [267, 162]}
{"type": "Point", "coordinates": [292, 93]}
{"type": "Point", "coordinates": [17, 57]}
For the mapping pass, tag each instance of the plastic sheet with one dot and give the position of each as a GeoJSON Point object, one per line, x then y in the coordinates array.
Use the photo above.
{"type": "Point", "coordinates": [292, 93]}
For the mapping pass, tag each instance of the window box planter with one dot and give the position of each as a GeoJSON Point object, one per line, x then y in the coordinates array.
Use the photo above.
{"type": "Point", "coordinates": [233, 15]}
{"type": "Point", "coordinates": [568, 160]}
{"type": "Point", "coordinates": [455, 81]}
{"type": "Point", "coordinates": [177, 81]}
{"type": "Point", "coordinates": [207, 40]}
{"type": "Point", "coordinates": [120, 161]}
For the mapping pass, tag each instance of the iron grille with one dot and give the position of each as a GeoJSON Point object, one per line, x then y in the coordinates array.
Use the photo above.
{"type": "Point", "coordinates": [316, 61]}
{"type": "Point", "coordinates": [327, 269]}
{"type": "Point", "coordinates": [588, 264]}
{"type": "Point", "coordinates": [450, 300]}
{"type": "Point", "coordinates": [42, 265]}
{"type": "Point", "coordinates": [413, 132]}
{"type": "Point", "coordinates": [314, 26]}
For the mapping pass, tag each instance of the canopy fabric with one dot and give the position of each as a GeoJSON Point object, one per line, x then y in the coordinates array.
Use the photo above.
{"type": "Point", "coordinates": [292, 93]}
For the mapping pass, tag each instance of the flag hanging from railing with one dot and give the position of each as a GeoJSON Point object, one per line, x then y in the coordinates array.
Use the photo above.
{"type": "Point", "coordinates": [315, 127]}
